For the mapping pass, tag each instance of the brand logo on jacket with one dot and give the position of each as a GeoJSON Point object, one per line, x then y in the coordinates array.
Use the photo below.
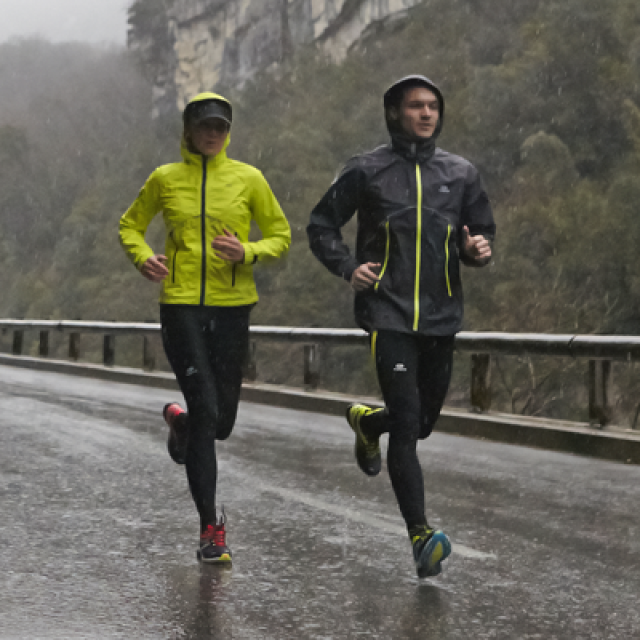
{"type": "Point", "coordinates": [444, 189]}
{"type": "Point", "coordinates": [399, 368]}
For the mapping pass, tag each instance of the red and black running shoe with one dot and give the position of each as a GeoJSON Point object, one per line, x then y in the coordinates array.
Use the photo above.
{"type": "Point", "coordinates": [213, 545]}
{"type": "Point", "coordinates": [176, 417]}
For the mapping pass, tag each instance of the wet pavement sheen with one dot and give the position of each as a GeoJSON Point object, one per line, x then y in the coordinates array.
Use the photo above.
{"type": "Point", "coordinates": [98, 532]}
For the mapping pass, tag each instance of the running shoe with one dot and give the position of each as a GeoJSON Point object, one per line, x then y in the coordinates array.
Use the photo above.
{"type": "Point", "coordinates": [367, 449]}
{"type": "Point", "coordinates": [213, 546]}
{"type": "Point", "coordinates": [429, 550]}
{"type": "Point", "coordinates": [175, 416]}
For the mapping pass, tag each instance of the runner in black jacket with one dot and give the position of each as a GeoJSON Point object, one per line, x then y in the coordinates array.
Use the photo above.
{"type": "Point", "coordinates": [421, 211]}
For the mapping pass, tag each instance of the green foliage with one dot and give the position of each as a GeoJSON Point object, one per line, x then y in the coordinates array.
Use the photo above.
{"type": "Point", "coordinates": [148, 24]}
{"type": "Point", "coordinates": [546, 106]}
{"type": "Point", "coordinates": [74, 151]}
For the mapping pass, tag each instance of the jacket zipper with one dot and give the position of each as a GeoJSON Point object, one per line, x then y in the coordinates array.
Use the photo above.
{"type": "Point", "coordinates": [446, 264]}
{"type": "Point", "coordinates": [203, 228]}
{"type": "Point", "coordinates": [233, 269]}
{"type": "Point", "coordinates": [416, 301]}
{"type": "Point", "coordinates": [386, 257]}
{"type": "Point", "coordinates": [175, 259]}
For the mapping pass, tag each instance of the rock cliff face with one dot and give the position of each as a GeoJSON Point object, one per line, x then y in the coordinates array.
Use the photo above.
{"type": "Point", "coordinates": [228, 41]}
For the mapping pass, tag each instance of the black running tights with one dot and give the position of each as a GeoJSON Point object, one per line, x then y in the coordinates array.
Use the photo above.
{"type": "Point", "coordinates": [206, 347]}
{"type": "Point", "coordinates": [414, 373]}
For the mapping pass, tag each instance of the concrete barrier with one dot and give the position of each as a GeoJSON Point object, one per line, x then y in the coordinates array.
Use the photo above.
{"type": "Point", "coordinates": [609, 443]}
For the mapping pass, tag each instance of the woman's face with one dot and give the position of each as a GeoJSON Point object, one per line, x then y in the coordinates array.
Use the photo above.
{"type": "Point", "coordinates": [208, 136]}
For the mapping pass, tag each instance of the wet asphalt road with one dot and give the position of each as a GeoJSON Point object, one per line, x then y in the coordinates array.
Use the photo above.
{"type": "Point", "coordinates": [98, 532]}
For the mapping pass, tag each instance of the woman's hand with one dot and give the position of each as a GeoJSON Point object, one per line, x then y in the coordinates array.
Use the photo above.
{"type": "Point", "coordinates": [155, 268]}
{"type": "Point", "coordinates": [228, 247]}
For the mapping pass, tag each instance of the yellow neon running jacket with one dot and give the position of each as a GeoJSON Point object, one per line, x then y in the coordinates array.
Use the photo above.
{"type": "Point", "coordinates": [198, 200]}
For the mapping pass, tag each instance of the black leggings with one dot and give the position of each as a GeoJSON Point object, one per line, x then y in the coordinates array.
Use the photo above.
{"type": "Point", "coordinates": [414, 373]}
{"type": "Point", "coordinates": [206, 347]}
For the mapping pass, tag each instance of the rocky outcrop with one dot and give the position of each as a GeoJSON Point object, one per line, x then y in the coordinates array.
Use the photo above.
{"type": "Point", "coordinates": [215, 42]}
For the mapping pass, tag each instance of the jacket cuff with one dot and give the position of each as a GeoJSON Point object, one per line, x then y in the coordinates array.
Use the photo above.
{"type": "Point", "coordinates": [250, 257]}
{"type": "Point", "coordinates": [140, 260]}
{"type": "Point", "coordinates": [348, 268]}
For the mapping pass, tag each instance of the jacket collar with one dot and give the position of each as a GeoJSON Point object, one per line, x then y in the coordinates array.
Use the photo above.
{"type": "Point", "coordinates": [419, 150]}
{"type": "Point", "coordinates": [197, 159]}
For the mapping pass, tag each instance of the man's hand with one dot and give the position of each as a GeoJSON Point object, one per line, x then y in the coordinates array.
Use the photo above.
{"type": "Point", "coordinates": [228, 247]}
{"type": "Point", "coordinates": [365, 276]}
{"type": "Point", "coordinates": [155, 269]}
{"type": "Point", "coordinates": [476, 247]}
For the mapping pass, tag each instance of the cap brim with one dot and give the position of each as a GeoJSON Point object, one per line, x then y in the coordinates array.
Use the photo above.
{"type": "Point", "coordinates": [211, 110]}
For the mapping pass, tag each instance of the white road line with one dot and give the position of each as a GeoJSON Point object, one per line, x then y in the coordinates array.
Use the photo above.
{"type": "Point", "coordinates": [358, 516]}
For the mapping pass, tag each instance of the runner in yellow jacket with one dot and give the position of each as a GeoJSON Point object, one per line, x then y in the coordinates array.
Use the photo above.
{"type": "Point", "coordinates": [208, 202]}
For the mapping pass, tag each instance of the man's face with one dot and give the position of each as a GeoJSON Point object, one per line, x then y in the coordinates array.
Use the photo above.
{"type": "Point", "coordinates": [419, 112]}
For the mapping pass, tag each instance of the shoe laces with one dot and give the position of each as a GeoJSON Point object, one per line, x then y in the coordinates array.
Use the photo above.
{"type": "Point", "coordinates": [219, 530]}
{"type": "Point", "coordinates": [424, 536]}
{"type": "Point", "coordinates": [219, 536]}
{"type": "Point", "coordinates": [216, 533]}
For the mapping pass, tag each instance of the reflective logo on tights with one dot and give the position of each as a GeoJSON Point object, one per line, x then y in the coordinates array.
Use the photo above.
{"type": "Point", "coordinates": [399, 368]}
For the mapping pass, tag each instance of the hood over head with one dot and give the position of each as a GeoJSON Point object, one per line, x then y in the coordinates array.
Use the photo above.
{"type": "Point", "coordinates": [206, 105]}
{"type": "Point", "coordinates": [402, 141]}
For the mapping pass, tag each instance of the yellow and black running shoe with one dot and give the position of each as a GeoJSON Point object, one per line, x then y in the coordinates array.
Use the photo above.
{"type": "Point", "coordinates": [367, 450]}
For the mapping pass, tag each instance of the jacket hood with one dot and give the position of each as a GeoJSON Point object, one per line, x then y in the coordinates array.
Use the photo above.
{"type": "Point", "coordinates": [202, 97]}
{"type": "Point", "coordinates": [422, 148]}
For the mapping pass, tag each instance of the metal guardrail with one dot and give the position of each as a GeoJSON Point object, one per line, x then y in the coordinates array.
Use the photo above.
{"type": "Point", "coordinates": [598, 350]}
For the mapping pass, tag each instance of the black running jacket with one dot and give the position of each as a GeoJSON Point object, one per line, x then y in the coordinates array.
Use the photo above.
{"type": "Point", "coordinates": [412, 201]}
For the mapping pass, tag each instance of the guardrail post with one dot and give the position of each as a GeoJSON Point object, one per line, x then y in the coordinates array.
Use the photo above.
{"type": "Point", "coordinates": [109, 351]}
{"type": "Point", "coordinates": [250, 367]}
{"type": "Point", "coordinates": [43, 349]}
{"type": "Point", "coordinates": [74, 346]}
{"type": "Point", "coordinates": [148, 355]}
{"type": "Point", "coordinates": [599, 375]}
{"type": "Point", "coordinates": [18, 340]}
{"type": "Point", "coordinates": [481, 381]}
{"type": "Point", "coordinates": [311, 366]}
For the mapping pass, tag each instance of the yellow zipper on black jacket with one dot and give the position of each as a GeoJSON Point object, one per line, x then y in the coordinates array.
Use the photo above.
{"type": "Point", "coordinates": [416, 301]}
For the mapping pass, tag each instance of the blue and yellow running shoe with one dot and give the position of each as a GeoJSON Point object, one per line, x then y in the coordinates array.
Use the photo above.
{"type": "Point", "coordinates": [367, 450]}
{"type": "Point", "coordinates": [429, 550]}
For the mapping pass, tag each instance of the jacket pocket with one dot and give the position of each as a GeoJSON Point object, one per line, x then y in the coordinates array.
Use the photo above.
{"type": "Point", "coordinates": [447, 259]}
{"type": "Point", "coordinates": [386, 256]}
{"type": "Point", "coordinates": [174, 258]}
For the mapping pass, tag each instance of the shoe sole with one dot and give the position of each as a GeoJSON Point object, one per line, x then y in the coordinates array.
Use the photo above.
{"type": "Point", "coordinates": [441, 551]}
{"type": "Point", "coordinates": [225, 558]}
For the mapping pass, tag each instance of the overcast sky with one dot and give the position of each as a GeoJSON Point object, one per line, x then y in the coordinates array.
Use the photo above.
{"type": "Point", "coordinates": [62, 20]}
